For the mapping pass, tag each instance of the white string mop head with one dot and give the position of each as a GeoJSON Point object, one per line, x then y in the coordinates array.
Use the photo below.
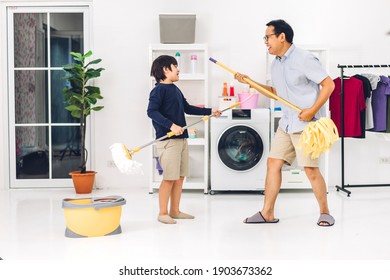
{"type": "Point", "coordinates": [123, 160]}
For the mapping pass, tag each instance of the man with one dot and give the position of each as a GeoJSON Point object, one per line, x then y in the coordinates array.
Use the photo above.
{"type": "Point", "coordinates": [298, 77]}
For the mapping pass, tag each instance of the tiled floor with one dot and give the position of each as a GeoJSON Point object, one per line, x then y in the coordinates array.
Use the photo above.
{"type": "Point", "coordinates": [32, 227]}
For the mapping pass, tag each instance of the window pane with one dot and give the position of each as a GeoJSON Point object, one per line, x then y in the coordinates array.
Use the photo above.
{"type": "Point", "coordinates": [32, 152]}
{"type": "Point", "coordinates": [66, 35]}
{"type": "Point", "coordinates": [66, 150]}
{"type": "Point", "coordinates": [31, 96]}
{"type": "Point", "coordinates": [30, 40]}
{"type": "Point", "coordinates": [58, 112]}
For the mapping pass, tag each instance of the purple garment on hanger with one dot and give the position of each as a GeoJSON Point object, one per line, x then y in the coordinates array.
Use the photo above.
{"type": "Point", "coordinates": [158, 166]}
{"type": "Point", "coordinates": [379, 103]}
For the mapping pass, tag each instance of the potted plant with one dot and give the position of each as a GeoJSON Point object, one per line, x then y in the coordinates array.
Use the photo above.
{"type": "Point", "coordinates": [81, 98]}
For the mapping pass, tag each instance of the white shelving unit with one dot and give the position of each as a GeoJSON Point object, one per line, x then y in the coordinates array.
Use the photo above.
{"type": "Point", "coordinates": [194, 86]}
{"type": "Point", "coordinates": [294, 177]}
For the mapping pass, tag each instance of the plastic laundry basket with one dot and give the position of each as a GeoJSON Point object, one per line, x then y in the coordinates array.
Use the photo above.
{"type": "Point", "coordinates": [91, 217]}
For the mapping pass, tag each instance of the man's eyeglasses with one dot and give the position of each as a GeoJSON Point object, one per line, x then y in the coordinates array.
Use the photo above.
{"type": "Point", "coordinates": [266, 37]}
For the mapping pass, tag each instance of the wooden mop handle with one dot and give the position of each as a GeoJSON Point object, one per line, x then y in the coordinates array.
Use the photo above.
{"type": "Point", "coordinates": [171, 133]}
{"type": "Point", "coordinates": [258, 87]}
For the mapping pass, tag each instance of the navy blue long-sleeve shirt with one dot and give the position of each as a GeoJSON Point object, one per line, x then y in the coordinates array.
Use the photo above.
{"type": "Point", "coordinates": [167, 106]}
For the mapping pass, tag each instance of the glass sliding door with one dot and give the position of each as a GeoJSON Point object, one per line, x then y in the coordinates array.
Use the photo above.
{"type": "Point", "coordinates": [43, 137]}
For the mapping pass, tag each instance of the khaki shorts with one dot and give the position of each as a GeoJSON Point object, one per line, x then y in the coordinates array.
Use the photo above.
{"type": "Point", "coordinates": [173, 154]}
{"type": "Point", "coordinates": [284, 146]}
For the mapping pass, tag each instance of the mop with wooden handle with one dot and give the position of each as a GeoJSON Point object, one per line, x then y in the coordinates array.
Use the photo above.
{"type": "Point", "coordinates": [123, 157]}
{"type": "Point", "coordinates": [317, 137]}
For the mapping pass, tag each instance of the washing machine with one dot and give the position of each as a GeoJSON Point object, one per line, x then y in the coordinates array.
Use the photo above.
{"type": "Point", "coordinates": [239, 147]}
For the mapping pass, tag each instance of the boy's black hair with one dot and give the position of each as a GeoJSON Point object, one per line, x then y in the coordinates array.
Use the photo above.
{"type": "Point", "coordinates": [157, 70]}
{"type": "Point", "coordinates": [280, 26]}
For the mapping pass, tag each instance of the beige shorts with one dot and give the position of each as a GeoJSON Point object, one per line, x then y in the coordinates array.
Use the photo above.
{"type": "Point", "coordinates": [284, 146]}
{"type": "Point", "coordinates": [173, 154]}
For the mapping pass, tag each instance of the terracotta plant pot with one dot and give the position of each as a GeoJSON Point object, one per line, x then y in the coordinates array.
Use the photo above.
{"type": "Point", "coordinates": [83, 182]}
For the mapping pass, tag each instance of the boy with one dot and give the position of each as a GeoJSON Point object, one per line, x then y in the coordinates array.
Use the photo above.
{"type": "Point", "coordinates": [167, 108]}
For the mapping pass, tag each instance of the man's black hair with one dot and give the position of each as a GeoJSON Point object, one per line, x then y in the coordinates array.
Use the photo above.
{"type": "Point", "coordinates": [157, 70]}
{"type": "Point", "coordinates": [280, 26]}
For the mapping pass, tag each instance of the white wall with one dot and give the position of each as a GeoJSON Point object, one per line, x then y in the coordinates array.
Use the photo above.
{"type": "Point", "coordinates": [354, 31]}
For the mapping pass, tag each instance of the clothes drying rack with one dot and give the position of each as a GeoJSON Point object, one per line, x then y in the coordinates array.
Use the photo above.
{"type": "Point", "coordinates": [343, 186]}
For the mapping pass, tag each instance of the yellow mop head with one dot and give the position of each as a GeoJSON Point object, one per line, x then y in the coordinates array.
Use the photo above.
{"type": "Point", "coordinates": [318, 137]}
{"type": "Point", "coordinates": [123, 160]}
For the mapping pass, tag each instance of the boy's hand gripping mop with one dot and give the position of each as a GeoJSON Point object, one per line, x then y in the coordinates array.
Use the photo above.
{"type": "Point", "coordinates": [317, 137]}
{"type": "Point", "coordinates": [123, 157]}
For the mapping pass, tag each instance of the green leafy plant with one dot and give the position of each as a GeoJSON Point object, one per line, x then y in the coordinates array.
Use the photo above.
{"type": "Point", "coordinates": [80, 96]}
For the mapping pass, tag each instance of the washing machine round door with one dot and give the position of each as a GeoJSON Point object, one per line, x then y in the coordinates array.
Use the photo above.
{"type": "Point", "coordinates": [240, 147]}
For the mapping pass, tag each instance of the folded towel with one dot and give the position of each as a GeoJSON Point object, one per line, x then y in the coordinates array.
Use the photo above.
{"type": "Point", "coordinates": [158, 166]}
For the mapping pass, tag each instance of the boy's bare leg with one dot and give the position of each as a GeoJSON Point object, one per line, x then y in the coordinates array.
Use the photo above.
{"type": "Point", "coordinates": [163, 197]}
{"type": "Point", "coordinates": [175, 201]}
{"type": "Point", "coordinates": [164, 194]}
{"type": "Point", "coordinates": [176, 196]}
